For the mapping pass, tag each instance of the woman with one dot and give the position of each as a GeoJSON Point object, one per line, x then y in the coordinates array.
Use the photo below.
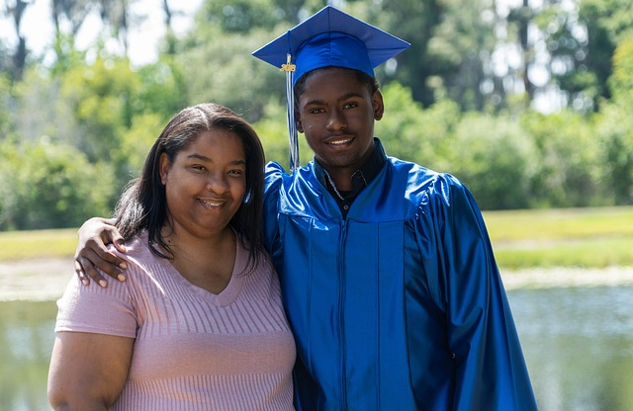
{"type": "Point", "coordinates": [199, 324]}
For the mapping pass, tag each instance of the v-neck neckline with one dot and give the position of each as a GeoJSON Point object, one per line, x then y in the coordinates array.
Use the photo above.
{"type": "Point", "coordinates": [232, 289]}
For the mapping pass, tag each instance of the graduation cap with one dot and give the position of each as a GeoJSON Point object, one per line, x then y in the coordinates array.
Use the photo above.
{"type": "Point", "coordinates": [330, 38]}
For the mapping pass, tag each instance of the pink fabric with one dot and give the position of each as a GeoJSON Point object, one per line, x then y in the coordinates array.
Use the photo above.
{"type": "Point", "coordinates": [193, 350]}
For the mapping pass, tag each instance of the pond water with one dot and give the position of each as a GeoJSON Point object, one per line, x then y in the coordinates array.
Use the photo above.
{"type": "Point", "coordinates": [578, 344]}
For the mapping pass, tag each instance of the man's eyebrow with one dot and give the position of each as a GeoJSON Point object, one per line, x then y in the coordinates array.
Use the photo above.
{"type": "Point", "coordinates": [315, 103]}
{"type": "Point", "coordinates": [341, 98]}
{"type": "Point", "coordinates": [350, 95]}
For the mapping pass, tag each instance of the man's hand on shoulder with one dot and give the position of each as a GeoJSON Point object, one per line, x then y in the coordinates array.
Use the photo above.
{"type": "Point", "coordinates": [92, 252]}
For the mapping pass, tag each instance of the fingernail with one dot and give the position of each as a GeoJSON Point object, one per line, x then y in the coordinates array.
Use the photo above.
{"type": "Point", "coordinates": [123, 265]}
{"type": "Point", "coordinates": [85, 282]}
{"type": "Point", "coordinates": [103, 283]}
{"type": "Point", "coordinates": [120, 277]}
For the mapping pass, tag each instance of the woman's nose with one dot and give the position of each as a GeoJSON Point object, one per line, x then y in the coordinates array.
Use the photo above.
{"type": "Point", "coordinates": [217, 182]}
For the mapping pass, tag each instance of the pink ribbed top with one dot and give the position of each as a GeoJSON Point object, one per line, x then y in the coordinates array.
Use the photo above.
{"type": "Point", "coordinates": [193, 350]}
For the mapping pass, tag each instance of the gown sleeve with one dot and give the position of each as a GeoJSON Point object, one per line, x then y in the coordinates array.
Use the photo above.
{"type": "Point", "coordinates": [490, 371]}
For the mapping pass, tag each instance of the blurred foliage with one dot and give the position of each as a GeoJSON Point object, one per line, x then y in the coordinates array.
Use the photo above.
{"type": "Point", "coordinates": [45, 186]}
{"type": "Point", "coordinates": [581, 41]}
{"type": "Point", "coordinates": [102, 99]}
{"type": "Point", "coordinates": [76, 125]}
{"type": "Point", "coordinates": [273, 131]}
{"type": "Point", "coordinates": [569, 164]}
{"type": "Point", "coordinates": [508, 150]}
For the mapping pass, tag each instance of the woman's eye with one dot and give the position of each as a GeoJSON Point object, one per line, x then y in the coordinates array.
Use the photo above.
{"type": "Point", "coordinates": [236, 172]}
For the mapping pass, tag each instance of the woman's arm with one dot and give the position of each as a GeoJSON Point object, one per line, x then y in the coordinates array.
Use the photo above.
{"type": "Point", "coordinates": [88, 371]}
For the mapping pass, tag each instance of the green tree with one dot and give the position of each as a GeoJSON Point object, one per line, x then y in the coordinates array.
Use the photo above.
{"type": "Point", "coordinates": [413, 133]}
{"type": "Point", "coordinates": [38, 109]}
{"type": "Point", "coordinates": [5, 59]}
{"type": "Point", "coordinates": [461, 49]}
{"type": "Point", "coordinates": [68, 17]}
{"type": "Point", "coordinates": [240, 16]}
{"type": "Point", "coordinates": [102, 98]}
{"type": "Point", "coordinates": [414, 21]}
{"type": "Point", "coordinates": [273, 131]}
{"type": "Point", "coordinates": [615, 133]}
{"type": "Point", "coordinates": [615, 125]}
{"type": "Point", "coordinates": [581, 42]}
{"type": "Point", "coordinates": [50, 186]}
{"type": "Point", "coordinates": [15, 11]}
{"type": "Point", "coordinates": [221, 69]}
{"type": "Point", "coordinates": [621, 81]}
{"type": "Point", "coordinates": [5, 102]}
{"type": "Point", "coordinates": [163, 89]}
{"type": "Point", "coordinates": [128, 158]}
{"type": "Point", "coordinates": [491, 154]}
{"type": "Point", "coordinates": [216, 55]}
{"type": "Point", "coordinates": [493, 157]}
{"type": "Point", "coordinates": [569, 160]}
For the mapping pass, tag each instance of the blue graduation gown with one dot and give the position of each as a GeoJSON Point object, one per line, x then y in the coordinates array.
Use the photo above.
{"type": "Point", "coordinates": [398, 307]}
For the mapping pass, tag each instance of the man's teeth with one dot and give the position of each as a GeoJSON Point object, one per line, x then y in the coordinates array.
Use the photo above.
{"type": "Point", "coordinates": [336, 143]}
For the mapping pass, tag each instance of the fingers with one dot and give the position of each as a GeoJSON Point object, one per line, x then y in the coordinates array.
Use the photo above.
{"type": "Point", "coordinates": [86, 269]}
{"type": "Point", "coordinates": [119, 244]}
{"type": "Point", "coordinates": [95, 257]}
{"type": "Point", "coordinates": [85, 278]}
{"type": "Point", "coordinates": [92, 257]}
{"type": "Point", "coordinates": [111, 235]}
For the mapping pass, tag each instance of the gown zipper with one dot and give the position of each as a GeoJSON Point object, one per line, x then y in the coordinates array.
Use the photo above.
{"type": "Point", "coordinates": [342, 291]}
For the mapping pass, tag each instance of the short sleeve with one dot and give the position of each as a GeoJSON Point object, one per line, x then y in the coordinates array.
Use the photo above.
{"type": "Point", "coordinates": [94, 309]}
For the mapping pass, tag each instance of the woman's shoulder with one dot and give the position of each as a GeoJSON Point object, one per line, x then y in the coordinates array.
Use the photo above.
{"type": "Point", "coordinates": [136, 248]}
{"type": "Point", "coordinates": [263, 262]}
{"type": "Point", "coordinates": [142, 263]}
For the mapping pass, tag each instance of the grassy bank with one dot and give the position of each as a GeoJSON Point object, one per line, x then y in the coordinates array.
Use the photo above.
{"type": "Point", "coordinates": [587, 237]}
{"type": "Point", "coordinates": [18, 245]}
{"type": "Point", "coordinates": [580, 237]}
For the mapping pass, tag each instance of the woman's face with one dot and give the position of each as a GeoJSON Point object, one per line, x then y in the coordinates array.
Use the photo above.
{"type": "Point", "coordinates": [205, 184]}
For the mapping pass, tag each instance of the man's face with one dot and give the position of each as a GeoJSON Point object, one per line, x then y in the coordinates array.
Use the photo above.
{"type": "Point", "coordinates": [336, 112]}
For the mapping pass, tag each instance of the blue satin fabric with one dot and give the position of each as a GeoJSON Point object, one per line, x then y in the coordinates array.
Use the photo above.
{"type": "Point", "coordinates": [398, 307]}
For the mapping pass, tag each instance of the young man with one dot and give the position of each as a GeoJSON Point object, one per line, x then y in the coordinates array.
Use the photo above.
{"type": "Point", "coordinates": [387, 273]}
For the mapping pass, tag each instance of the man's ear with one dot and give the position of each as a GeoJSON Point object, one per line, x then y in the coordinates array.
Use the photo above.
{"type": "Point", "coordinates": [298, 121]}
{"type": "Point", "coordinates": [378, 105]}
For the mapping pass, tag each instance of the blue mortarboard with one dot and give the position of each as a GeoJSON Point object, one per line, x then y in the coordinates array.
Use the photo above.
{"type": "Point", "coordinates": [330, 38]}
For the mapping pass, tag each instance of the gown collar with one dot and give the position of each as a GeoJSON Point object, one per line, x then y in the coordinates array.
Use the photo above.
{"type": "Point", "coordinates": [360, 179]}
